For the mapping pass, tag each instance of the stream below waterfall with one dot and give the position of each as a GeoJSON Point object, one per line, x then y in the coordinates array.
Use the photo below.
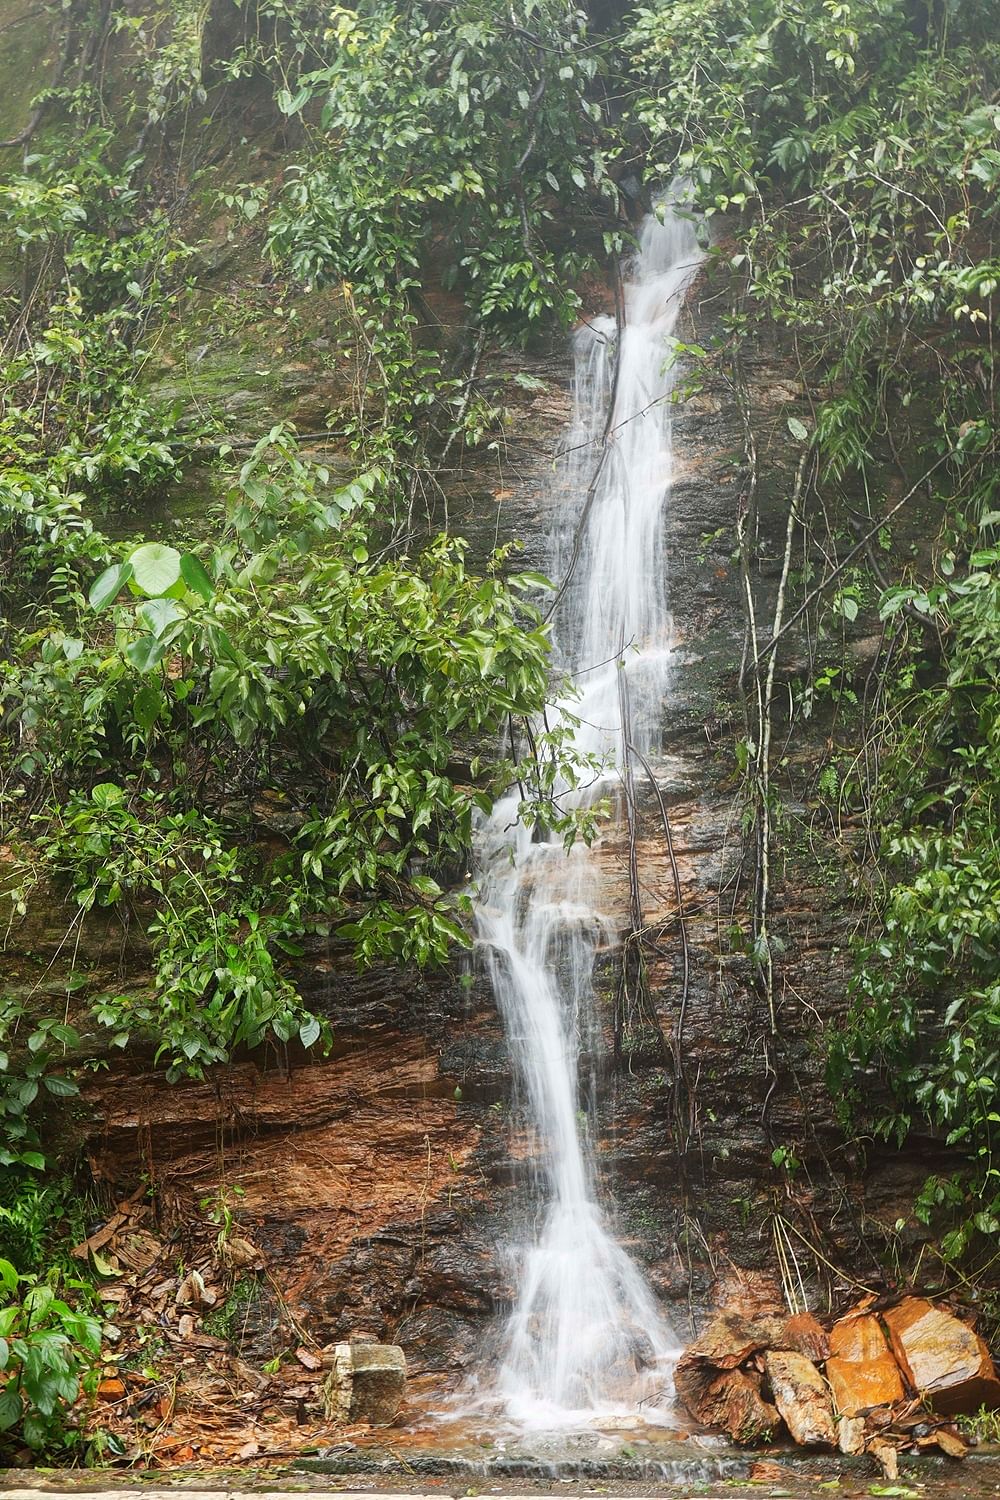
{"type": "Point", "coordinates": [585, 1341]}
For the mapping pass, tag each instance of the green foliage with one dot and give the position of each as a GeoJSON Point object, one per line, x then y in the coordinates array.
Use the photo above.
{"type": "Point", "coordinates": [926, 1001]}
{"type": "Point", "coordinates": [48, 1355]}
{"type": "Point", "coordinates": [456, 136]}
{"type": "Point", "coordinates": [29, 1074]}
{"type": "Point", "coordinates": [348, 673]}
{"type": "Point", "coordinates": [41, 1218]}
{"type": "Point", "coordinates": [100, 262]}
{"type": "Point", "coordinates": [268, 728]}
{"type": "Point", "coordinates": [982, 1426]}
{"type": "Point", "coordinates": [855, 153]}
{"type": "Point", "coordinates": [229, 1320]}
{"type": "Point", "coordinates": [160, 703]}
{"type": "Point", "coordinates": [463, 125]}
{"type": "Point", "coordinates": [852, 147]}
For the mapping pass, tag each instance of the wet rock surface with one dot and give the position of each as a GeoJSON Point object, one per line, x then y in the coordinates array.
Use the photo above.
{"type": "Point", "coordinates": [942, 1358]}
{"type": "Point", "coordinates": [384, 1178]}
{"type": "Point", "coordinates": [730, 1401]}
{"type": "Point", "coordinates": [802, 1398]}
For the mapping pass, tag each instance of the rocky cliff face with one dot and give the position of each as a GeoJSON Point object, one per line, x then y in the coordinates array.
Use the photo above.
{"type": "Point", "coordinates": [382, 1181]}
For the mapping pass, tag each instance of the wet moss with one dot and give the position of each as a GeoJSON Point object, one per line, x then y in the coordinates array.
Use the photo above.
{"type": "Point", "coordinates": [27, 59]}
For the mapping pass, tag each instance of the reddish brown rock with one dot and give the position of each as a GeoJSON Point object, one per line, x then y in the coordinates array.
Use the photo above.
{"type": "Point", "coordinates": [807, 1336]}
{"type": "Point", "coordinates": [728, 1400]}
{"type": "Point", "coordinates": [731, 1338]}
{"type": "Point", "coordinates": [943, 1358]}
{"type": "Point", "coordinates": [802, 1398]}
{"type": "Point", "coordinates": [861, 1371]}
{"type": "Point", "coordinates": [753, 1294]}
{"type": "Point", "coordinates": [322, 1164]}
{"type": "Point", "coordinates": [951, 1441]}
{"type": "Point", "coordinates": [858, 1337]}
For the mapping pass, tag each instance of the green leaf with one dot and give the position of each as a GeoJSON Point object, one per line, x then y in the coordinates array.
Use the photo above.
{"type": "Point", "coordinates": [101, 1266]}
{"type": "Point", "coordinates": [155, 568]}
{"type": "Point", "coordinates": [109, 585]}
{"type": "Point", "coordinates": [147, 706]}
{"type": "Point", "coordinates": [532, 580]}
{"type": "Point", "coordinates": [195, 577]}
{"type": "Point", "coordinates": [158, 615]}
{"type": "Point", "coordinates": [11, 1407]}
{"type": "Point", "coordinates": [146, 653]}
{"type": "Point", "coordinates": [107, 794]}
{"type": "Point", "coordinates": [290, 103]}
{"type": "Point", "coordinates": [62, 1088]}
{"type": "Point", "coordinates": [309, 1031]}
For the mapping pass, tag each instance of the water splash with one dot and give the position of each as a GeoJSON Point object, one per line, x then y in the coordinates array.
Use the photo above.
{"type": "Point", "coordinates": [585, 1339]}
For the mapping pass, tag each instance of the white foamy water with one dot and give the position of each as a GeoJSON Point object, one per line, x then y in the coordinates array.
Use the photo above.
{"type": "Point", "coordinates": [585, 1339]}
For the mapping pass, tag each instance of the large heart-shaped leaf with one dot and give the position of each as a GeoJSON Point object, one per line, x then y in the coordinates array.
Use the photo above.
{"type": "Point", "coordinates": [155, 568]}
{"type": "Point", "coordinates": [107, 794]}
{"type": "Point", "coordinates": [309, 1031]}
{"type": "Point", "coordinates": [63, 1088]}
{"type": "Point", "coordinates": [11, 1407]}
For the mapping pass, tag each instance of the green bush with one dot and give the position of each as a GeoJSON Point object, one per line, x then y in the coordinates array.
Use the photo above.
{"type": "Point", "coordinates": [48, 1358]}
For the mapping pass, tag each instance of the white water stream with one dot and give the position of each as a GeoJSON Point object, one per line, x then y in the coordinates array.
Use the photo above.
{"type": "Point", "coordinates": [585, 1338]}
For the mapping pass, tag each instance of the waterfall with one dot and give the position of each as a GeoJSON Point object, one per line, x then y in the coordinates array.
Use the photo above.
{"type": "Point", "coordinates": [585, 1337]}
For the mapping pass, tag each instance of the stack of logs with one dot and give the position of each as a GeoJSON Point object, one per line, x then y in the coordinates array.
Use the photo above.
{"type": "Point", "coordinates": [882, 1379]}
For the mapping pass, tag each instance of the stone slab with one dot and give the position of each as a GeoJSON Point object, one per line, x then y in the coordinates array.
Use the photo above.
{"type": "Point", "coordinates": [944, 1359]}
{"type": "Point", "coordinates": [861, 1371]}
{"type": "Point", "coordinates": [366, 1383]}
{"type": "Point", "coordinates": [802, 1397]}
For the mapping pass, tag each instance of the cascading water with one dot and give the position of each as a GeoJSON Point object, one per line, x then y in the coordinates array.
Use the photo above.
{"type": "Point", "coordinates": [585, 1337]}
